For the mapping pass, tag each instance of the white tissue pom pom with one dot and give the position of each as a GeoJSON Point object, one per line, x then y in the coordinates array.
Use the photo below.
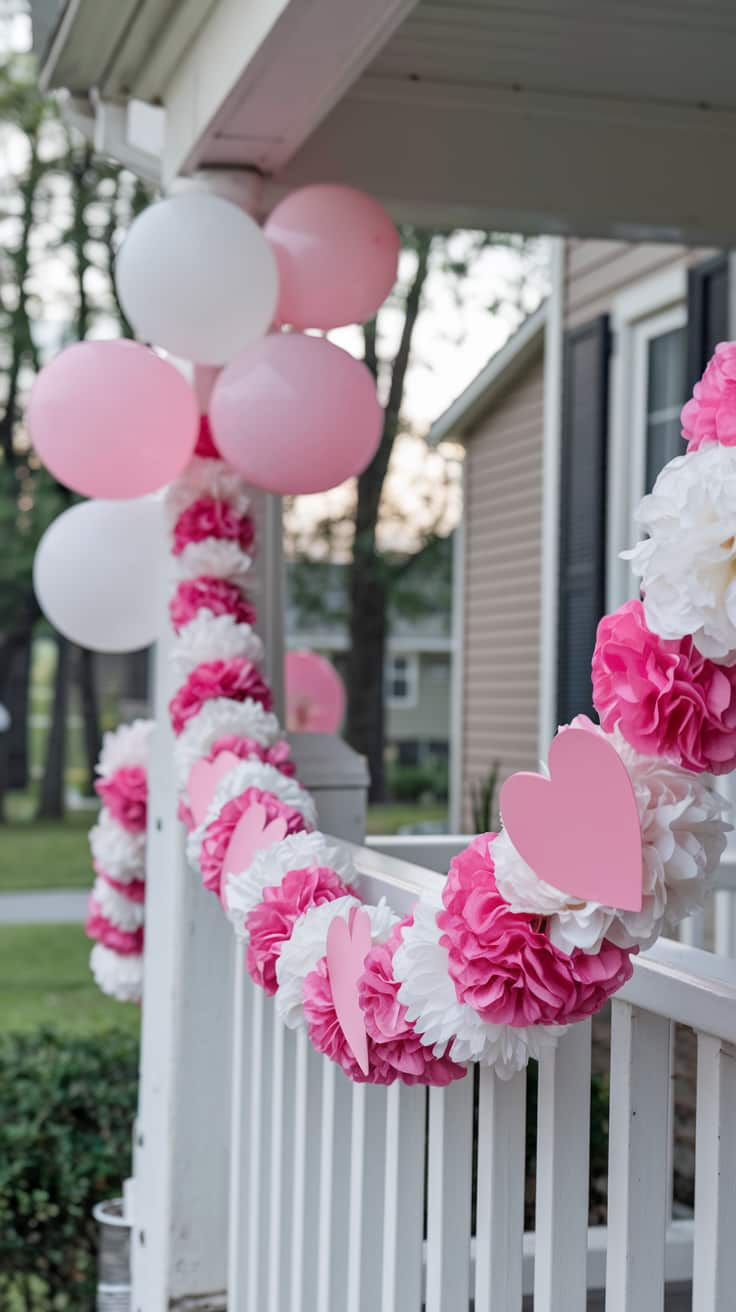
{"type": "Point", "coordinates": [271, 864]}
{"type": "Point", "coordinates": [118, 974]}
{"type": "Point", "coordinates": [251, 774]}
{"type": "Point", "coordinates": [444, 1023]}
{"type": "Point", "coordinates": [219, 718]}
{"type": "Point", "coordinates": [121, 854]}
{"type": "Point", "coordinates": [517, 882]}
{"type": "Point", "coordinates": [125, 746]}
{"type": "Point", "coordinates": [205, 477]}
{"type": "Point", "coordinates": [211, 637]}
{"type": "Point", "coordinates": [687, 562]}
{"type": "Point", "coordinates": [120, 910]}
{"type": "Point", "coordinates": [218, 558]}
{"type": "Point", "coordinates": [308, 944]}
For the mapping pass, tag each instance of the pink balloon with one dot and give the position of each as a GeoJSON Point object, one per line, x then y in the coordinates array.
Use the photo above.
{"type": "Point", "coordinates": [337, 252]}
{"type": "Point", "coordinates": [113, 420]}
{"type": "Point", "coordinates": [315, 693]}
{"type": "Point", "coordinates": [296, 414]}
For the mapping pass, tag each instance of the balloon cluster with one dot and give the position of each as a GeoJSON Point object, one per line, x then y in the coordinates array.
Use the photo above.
{"type": "Point", "coordinates": [200, 281]}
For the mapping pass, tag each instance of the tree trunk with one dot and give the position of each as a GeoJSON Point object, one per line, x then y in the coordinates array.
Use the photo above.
{"type": "Point", "coordinates": [15, 652]}
{"type": "Point", "coordinates": [365, 726]}
{"type": "Point", "coordinates": [51, 803]}
{"type": "Point", "coordinates": [87, 685]}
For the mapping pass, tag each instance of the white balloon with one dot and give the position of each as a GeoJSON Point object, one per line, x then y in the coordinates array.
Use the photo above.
{"type": "Point", "coordinates": [196, 275]}
{"type": "Point", "coordinates": [99, 573]}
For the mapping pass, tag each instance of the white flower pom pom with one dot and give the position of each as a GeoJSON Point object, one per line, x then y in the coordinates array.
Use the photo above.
{"type": "Point", "coordinates": [216, 557]}
{"type": "Point", "coordinates": [218, 719]}
{"type": "Point", "coordinates": [205, 477]}
{"type": "Point", "coordinates": [125, 746]}
{"type": "Point", "coordinates": [308, 944]}
{"type": "Point", "coordinates": [117, 974]}
{"type": "Point", "coordinates": [120, 910]}
{"type": "Point", "coordinates": [121, 854]}
{"type": "Point", "coordinates": [687, 562]}
{"type": "Point", "coordinates": [271, 864]}
{"type": "Point", "coordinates": [211, 637]}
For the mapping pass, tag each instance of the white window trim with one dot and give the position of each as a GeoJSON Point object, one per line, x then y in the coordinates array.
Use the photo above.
{"type": "Point", "coordinates": [650, 308]}
{"type": "Point", "coordinates": [409, 702]}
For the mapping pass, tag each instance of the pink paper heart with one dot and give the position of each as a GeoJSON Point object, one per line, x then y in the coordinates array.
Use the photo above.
{"type": "Point", "coordinates": [204, 777]}
{"type": "Point", "coordinates": [348, 944]}
{"type": "Point", "coordinates": [579, 830]}
{"type": "Point", "coordinates": [253, 831]}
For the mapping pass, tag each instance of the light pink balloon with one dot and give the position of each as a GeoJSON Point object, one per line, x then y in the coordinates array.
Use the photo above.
{"type": "Point", "coordinates": [296, 414]}
{"type": "Point", "coordinates": [111, 419]}
{"type": "Point", "coordinates": [315, 693]}
{"type": "Point", "coordinates": [337, 252]}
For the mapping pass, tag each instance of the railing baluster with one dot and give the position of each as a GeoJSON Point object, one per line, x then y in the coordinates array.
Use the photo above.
{"type": "Point", "coordinates": [449, 1189]}
{"type": "Point", "coordinates": [259, 1152]}
{"type": "Point", "coordinates": [334, 1189]}
{"type": "Point", "coordinates": [714, 1261]}
{"type": "Point", "coordinates": [367, 1160]}
{"type": "Point", "coordinates": [500, 1192]}
{"type": "Point", "coordinates": [403, 1209]}
{"type": "Point", "coordinates": [637, 1170]}
{"type": "Point", "coordinates": [563, 1153]}
{"type": "Point", "coordinates": [724, 914]}
{"type": "Point", "coordinates": [240, 1139]}
{"type": "Point", "coordinates": [304, 1214]}
{"type": "Point", "coordinates": [281, 1166]}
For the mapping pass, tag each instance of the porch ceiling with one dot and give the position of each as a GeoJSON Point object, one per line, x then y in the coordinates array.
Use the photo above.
{"type": "Point", "coordinates": [558, 116]}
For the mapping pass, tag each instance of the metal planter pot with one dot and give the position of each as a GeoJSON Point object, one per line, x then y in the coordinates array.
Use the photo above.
{"type": "Point", "coordinates": [113, 1258]}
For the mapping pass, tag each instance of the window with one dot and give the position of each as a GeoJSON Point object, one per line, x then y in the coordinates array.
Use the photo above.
{"type": "Point", "coordinates": [665, 397]}
{"type": "Point", "coordinates": [402, 678]}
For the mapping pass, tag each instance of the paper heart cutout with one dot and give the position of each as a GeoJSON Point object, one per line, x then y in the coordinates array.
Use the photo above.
{"type": "Point", "coordinates": [579, 830]}
{"type": "Point", "coordinates": [348, 944]}
{"type": "Point", "coordinates": [253, 831]}
{"type": "Point", "coordinates": [204, 777]}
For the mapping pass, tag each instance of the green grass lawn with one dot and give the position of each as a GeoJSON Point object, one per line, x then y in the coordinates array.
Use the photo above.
{"type": "Point", "coordinates": [45, 980]}
{"type": "Point", "coordinates": [46, 853]}
{"type": "Point", "coordinates": [390, 817]}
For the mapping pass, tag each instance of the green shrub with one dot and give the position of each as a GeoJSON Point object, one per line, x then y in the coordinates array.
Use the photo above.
{"type": "Point", "coordinates": [66, 1113]}
{"type": "Point", "coordinates": [413, 783]}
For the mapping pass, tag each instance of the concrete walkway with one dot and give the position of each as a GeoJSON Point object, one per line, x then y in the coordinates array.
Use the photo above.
{"type": "Point", "coordinates": [62, 907]}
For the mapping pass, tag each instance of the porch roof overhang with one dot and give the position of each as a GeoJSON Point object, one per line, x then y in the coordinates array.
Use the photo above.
{"type": "Point", "coordinates": [572, 116]}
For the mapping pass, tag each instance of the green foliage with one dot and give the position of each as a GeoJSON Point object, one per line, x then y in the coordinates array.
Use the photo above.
{"type": "Point", "coordinates": [413, 783]}
{"type": "Point", "coordinates": [483, 801]}
{"type": "Point", "coordinates": [66, 1112]}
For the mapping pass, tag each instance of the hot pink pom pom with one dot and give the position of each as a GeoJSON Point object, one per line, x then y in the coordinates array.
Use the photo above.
{"type": "Point", "coordinates": [666, 698]}
{"type": "Point", "coordinates": [326, 1033]}
{"type": "Point", "coordinates": [125, 793]}
{"type": "Point", "coordinates": [205, 442]}
{"type": "Point", "coordinates": [217, 835]}
{"type": "Point", "coordinates": [711, 414]}
{"type": "Point", "coordinates": [102, 930]}
{"type": "Point", "coordinates": [270, 924]}
{"type": "Point", "coordinates": [502, 963]}
{"type": "Point", "coordinates": [236, 678]}
{"type": "Point", "coordinates": [210, 518]}
{"type": "Point", "coordinates": [278, 755]}
{"type": "Point", "coordinates": [216, 595]}
{"type": "Point", "coordinates": [134, 890]}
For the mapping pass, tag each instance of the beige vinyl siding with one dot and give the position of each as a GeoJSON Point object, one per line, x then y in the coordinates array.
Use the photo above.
{"type": "Point", "coordinates": [503, 511]}
{"type": "Point", "coordinates": [597, 270]}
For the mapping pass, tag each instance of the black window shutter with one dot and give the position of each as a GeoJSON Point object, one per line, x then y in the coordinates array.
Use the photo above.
{"type": "Point", "coordinates": [582, 578]}
{"type": "Point", "coordinates": [707, 313]}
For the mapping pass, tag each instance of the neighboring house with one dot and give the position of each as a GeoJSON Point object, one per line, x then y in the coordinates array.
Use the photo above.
{"type": "Point", "coordinates": [417, 673]}
{"type": "Point", "coordinates": [564, 430]}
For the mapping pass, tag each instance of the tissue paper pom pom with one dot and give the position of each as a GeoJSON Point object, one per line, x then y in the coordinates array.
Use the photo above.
{"type": "Point", "coordinates": [270, 864]}
{"type": "Point", "coordinates": [126, 745]}
{"type": "Point", "coordinates": [447, 1025]}
{"type": "Point", "coordinates": [387, 1025]}
{"type": "Point", "coordinates": [308, 944]}
{"type": "Point", "coordinates": [687, 561]}
{"type": "Point", "coordinates": [217, 719]}
{"type": "Point", "coordinates": [117, 851]}
{"type": "Point", "coordinates": [100, 928]}
{"type": "Point", "coordinates": [247, 749]}
{"type": "Point", "coordinates": [133, 891]}
{"type": "Point", "coordinates": [125, 793]}
{"type": "Point", "coordinates": [667, 699]}
{"type": "Point", "coordinates": [711, 414]}
{"type": "Point", "coordinates": [271, 922]}
{"type": "Point", "coordinates": [503, 964]}
{"type": "Point", "coordinates": [217, 834]}
{"type": "Point", "coordinates": [214, 559]}
{"type": "Point", "coordinates": [207, 478]}
{"type": "Point", "coordinates": [118, 975]}
{"type": "Point", "coordinates": [236, 679]}
{"type": "Point", "coordinates": [327, 1036]}
{"type": "Point", "coordinates": [214, 595]}
{"type": "Point", "coordinates": [212, 518]}
{"type": "Point", "coordinates": [123, 912]}
{"type": "Point", "coordinates": [211, 637]}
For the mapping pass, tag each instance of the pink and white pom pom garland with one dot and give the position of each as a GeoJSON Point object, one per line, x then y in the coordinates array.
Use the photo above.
{"type": "Point", "coordinates": [116, 909]}
{"type": "Point", "coordinates": [496, 972]}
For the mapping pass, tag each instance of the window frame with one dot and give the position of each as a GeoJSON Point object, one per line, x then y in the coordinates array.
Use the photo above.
{"type": "Point", "coordinates": [410, 700]}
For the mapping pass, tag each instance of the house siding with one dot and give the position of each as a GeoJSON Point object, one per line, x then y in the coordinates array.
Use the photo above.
{"type": "Point", "coordinates": [597, 270]}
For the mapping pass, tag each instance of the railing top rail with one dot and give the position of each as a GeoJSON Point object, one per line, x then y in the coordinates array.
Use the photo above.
{"type": "Point", "coordinates": [399, 881]}
{"type": "Point", "coordinates": [690, 986]}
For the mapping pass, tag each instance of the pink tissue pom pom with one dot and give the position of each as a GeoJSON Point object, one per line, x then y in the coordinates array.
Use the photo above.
{"type": "Point", "coordinates": [125, 793]}
{"type": "Point", "coordinates": [134, 890]}
{"type": "Point", "coordinates": [278, 754]}
{"type": "Point", "coordinates": [711, 414]}
{"type": "Point", "coordinates": [502, 963]}
{"type": "Point", "coordinates": [216, 595]}
{"type": "Point", "coordinates": [205, 443]}
{"type": "Point", "coordinates": [217, 835]}
{"type": "Point", "coordinates": [101, 929]}
{"type": "Point", "coordinates": [211, 518]}
{"type": "Point", "coordinates": [667, 699]}
{"type": "Point", "coordinates": [270, 924]}
{"type": "Point", "coordinates": [236, 678]}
